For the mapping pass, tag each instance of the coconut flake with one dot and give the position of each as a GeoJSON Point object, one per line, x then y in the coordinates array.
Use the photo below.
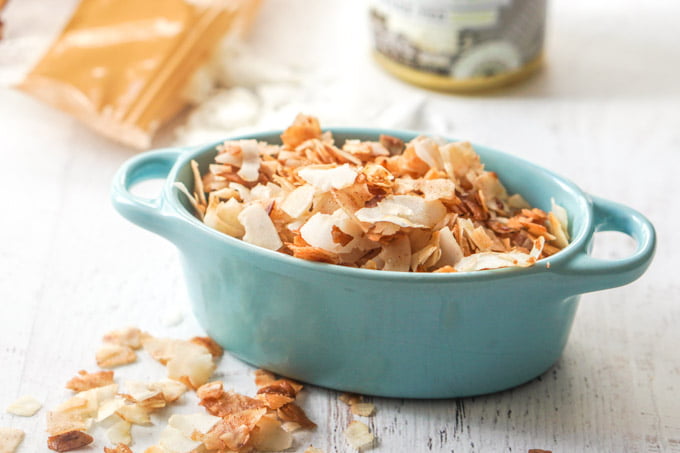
{"type": "Point", "coordinates": [358, 435]}
{"type": "Point", "coordinates": [250, 163]}
{"type": "Point", "coordinates": [318, 231]}
{"type": "Point", "coordinates": [223, 216]}
{"type": "Point", "coordinates": [10, 438]}
{"type": "Point", "coordinates": [259, 228]}
{"type": "Point", "coordinates": [193, 423]}
{"type": "Point", "coordinates": [324, 177]}
{"type": "Point", "coordinates": [270, 436]}
{"type": "Point", "coordinates": [25, 406]}
{"type": "Point", "coordinates": [174, 441]}
{"type": "Point", "coordinates": [109, 407]}
{"type": "Point", "coordinates": [396, 255]}
{"type": "Point", "coordinates": [428, 151]}
{"type": "Point", "coordinates": [494, 260]}
{"type": "Point", "coordinates": [451, 252]}
{"type": "Point", "coordinates": [119, 433]}
{"type": "Point", "coordinates": [298, 201]}
{"type": "Point", "coordinates": [405, 211]}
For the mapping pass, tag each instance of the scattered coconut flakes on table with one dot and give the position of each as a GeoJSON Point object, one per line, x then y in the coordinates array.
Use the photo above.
{"type": "Point", "coordinates": [25, 406]}
{"type": "Point", "coordinates": [233, 422]}
{"type": "Point", "coordinates": [10, 438]}
{"type": "Point", "coordinates": [422, 206]}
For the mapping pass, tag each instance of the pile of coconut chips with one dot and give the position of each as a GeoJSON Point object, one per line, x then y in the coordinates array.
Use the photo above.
{"type": "Point", "coordinates": [229, 422]}
{"type": "Point", "coordinates": [422, 206]}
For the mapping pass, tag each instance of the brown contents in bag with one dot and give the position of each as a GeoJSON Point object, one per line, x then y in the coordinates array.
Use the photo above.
{"type": "Point", "coordinates": [121, 66]}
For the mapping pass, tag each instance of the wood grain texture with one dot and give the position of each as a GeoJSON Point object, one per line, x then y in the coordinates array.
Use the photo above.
{"type": "Point", "coordinates": [605, 113]}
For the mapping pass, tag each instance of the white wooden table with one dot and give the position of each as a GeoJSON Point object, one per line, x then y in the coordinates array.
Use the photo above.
{"type": "Point", "coordinates": [605, 113]}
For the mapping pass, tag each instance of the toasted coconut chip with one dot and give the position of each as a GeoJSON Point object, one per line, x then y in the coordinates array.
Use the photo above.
{"type": "Point", "coordinates": [350, 398]}
{"type": "Point", "coordinates": [315, 254]}
{"type": "Point", "coordinates": [396, 255]}
{"type": "Point", "coordinates": [192, 370]}
{"type": "Point", "coordinates": [193, 425]}
{"type": "Point", "coordinates": [274, 400]}
{"type": "Point", "coordinates": [221, 403]}
{"type": "Point", "coordinates": [111, 355]}
{"type": "Point", "coordinates": [438, 189]}
{"type": "Point", "coordinates": [304, 128]}
{"type": "Point", "coordinates": [211, 345]}
{"type": "Point", "coordinates": [25, 406]}
{"type": "Point", "coordinates": [250, 163]}
{"type": "Point", "coordinates": [259, 229]}
{"type": "Point", "coordinates": [119, 448]}
{"type": "Point", "coordinates": [129, 336]}
{"type": "Point", "coordinates": [358, 435]}
{"type": "Point", "coordinates": [233, 431]}
{"type": "Point", "coordinates": [327, 177]}
{"type": "Point", "coordinates": [86, 381]}
{"type": "Point", "coordinates": [516, 201]}
{"type": "Point", "coordinates": [229, 153]}
{"type": "Point", "coordinates": [172, 440]}
{"type": "Point", "coordinates": [428, 255]}
{"type": "Point", "coordinates": [363, 409]}
{"type": "Point", "coordinates": [494, 260]}
{"type": "Point", "coordinates": [291, 412]}
{"type": "Point", "coordinates": [562, 217]}
{"type": "Point", "coordinates": [270, 436]}
{"type": "Point", "coordinates": [71, 440]}
{"type": "Point", "coordinates": [459, 159]}
{"type": "Point", "coordinates": [318, 231]}
{"type": "Point", "coordinates": [451, 252]}
{"type": "Point", "coordinates": [264, 377]}
{"type": "Point", "coordinates": [86, 404]}
{"type": "Point", "coordinates": [160, 349]}
{"type": "Point", "coordinates": [212, 390]}
{"type": "Point", "coordinates": [170, 389]}
{"type": "Point", "coordinates": [10, 438]}
{"type": "Point", "coordinates": [282, 387]}
{"type": "Point", "coordinates": [392, 144]}
{"type": "Point", "coordinates": [62, 422]}
{"type": "Point", "coordinates": [404, 210]}
{"type": "Point", "coordinates": [198, 208]}
{"type": "Point", "coordinates": [135, 414]}
{"type": "Point", "coordinates": [490, 186]}
{"type": "Point", "coordinates": [199, 191]}
{"type": "Point", "coordinates": [109, 407]}
{"type": "Point", "coordinates": [266, 192]}
{"type": "Point", "coordinates": [340, 237]}
{"type": "Point", "coordinates": [299, 201]}
{"type": "Point", "coordinates": [119, 433]}
{"type": "Point", "coordinates": [559, 224]}
{"type": "Point", "coordinates": [223, 216]}
{"type": "Point", "coordinates": [188, 362]}
{"type": "Point", "coordinates": [428, 151]}
{"type": "Point", "coordinates": [140, 391]}
{"type": "Point", "coordinates": [378, 176]}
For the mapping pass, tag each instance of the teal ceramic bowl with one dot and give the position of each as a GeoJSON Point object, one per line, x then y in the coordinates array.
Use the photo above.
{"type": "Point", "coordinates": [410, 335]}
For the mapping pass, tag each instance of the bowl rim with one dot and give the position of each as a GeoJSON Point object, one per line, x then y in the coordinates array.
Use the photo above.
{"type": "Point", "coordinates": [171, 197]}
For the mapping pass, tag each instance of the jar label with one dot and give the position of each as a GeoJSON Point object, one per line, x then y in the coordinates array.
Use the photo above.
{"type": "Point", "coordinates": [461, 39]}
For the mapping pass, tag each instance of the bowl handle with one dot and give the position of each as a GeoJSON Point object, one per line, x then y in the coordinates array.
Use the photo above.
{"type": "Point", "coordinates": [149, 213]}
{"type": "Point", "coordinates": [593, 274]}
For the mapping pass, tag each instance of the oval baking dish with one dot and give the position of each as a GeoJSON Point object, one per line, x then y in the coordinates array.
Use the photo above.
{"type": "Point", "coordinates": [414, 335]}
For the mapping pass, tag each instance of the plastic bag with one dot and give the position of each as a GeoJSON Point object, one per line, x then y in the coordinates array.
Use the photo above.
{"type": "Point", "coordinates": [121, 66]}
